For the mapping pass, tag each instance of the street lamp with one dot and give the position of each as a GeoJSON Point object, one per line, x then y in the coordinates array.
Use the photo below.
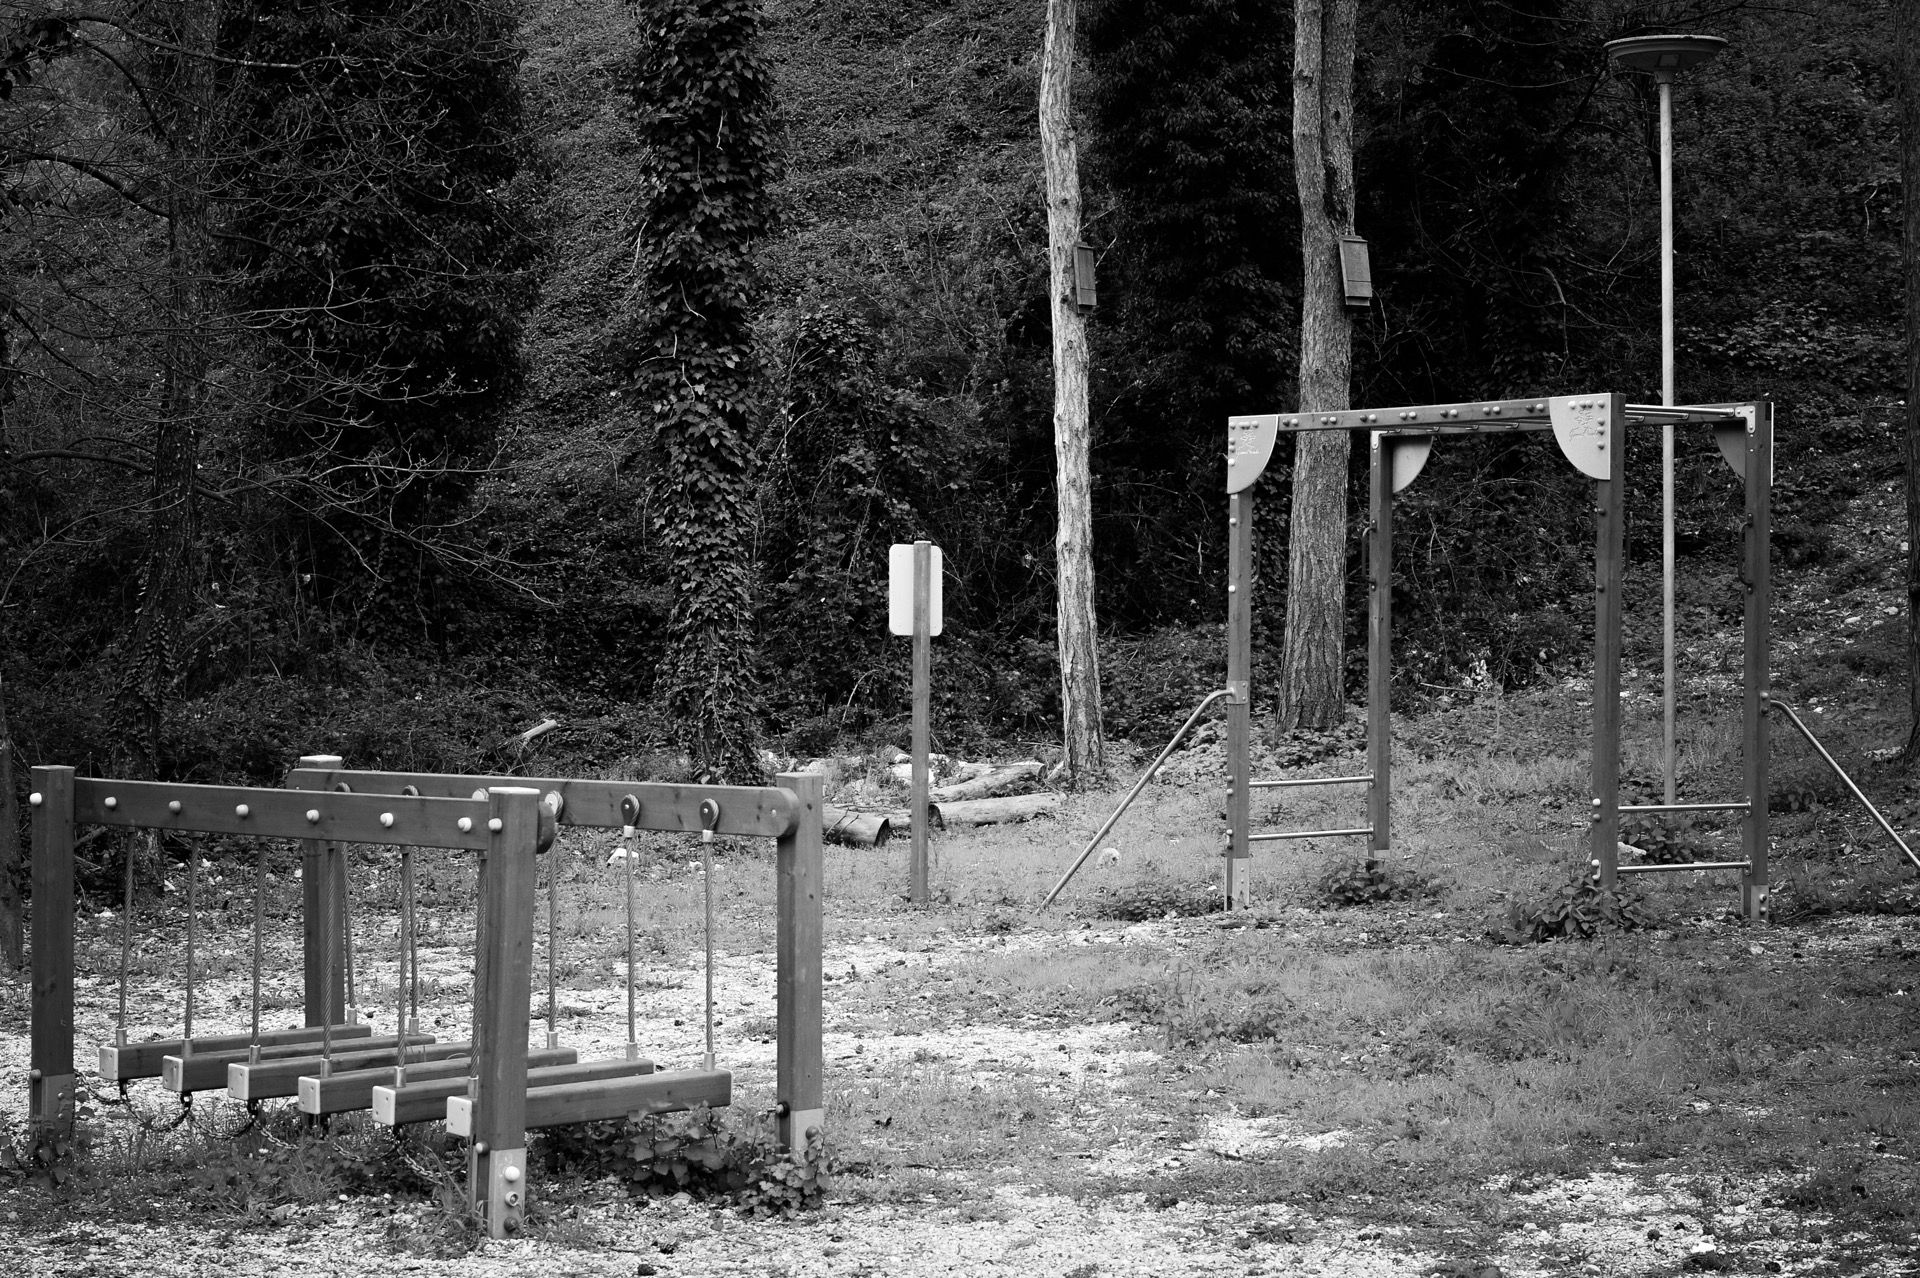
{"type": "Point", "coordinates": [1663, 57]}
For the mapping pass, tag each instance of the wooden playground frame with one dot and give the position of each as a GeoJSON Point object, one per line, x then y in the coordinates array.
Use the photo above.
{"type": "Point", "coordinates": [1591, 431]}
{"type": "Point", "coordinates": [507, 821]}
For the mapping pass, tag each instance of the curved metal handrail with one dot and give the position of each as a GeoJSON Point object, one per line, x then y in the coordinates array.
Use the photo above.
{"type": "Point", "coordinates": [1133, 794]}
{"type": "Point", "coordinates": [1841, 772]}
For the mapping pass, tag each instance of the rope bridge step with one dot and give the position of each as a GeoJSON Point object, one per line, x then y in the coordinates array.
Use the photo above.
{"type": "Point", "coordinates": [145, 1060]}
{"type": "Point", "coordinates": [426, 1101]}
{"type": "Point", "coordinates": [207, 1071]}
{"type": "Point", "coordinates": [556, 1105]}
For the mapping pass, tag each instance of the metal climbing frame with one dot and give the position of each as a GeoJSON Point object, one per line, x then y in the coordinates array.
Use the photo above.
{"type": "Point", "coordinates": [1591, 432]}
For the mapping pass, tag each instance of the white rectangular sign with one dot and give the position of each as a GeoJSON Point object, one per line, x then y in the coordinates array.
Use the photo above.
{"type": "Point", "coordinates": [900, 589]}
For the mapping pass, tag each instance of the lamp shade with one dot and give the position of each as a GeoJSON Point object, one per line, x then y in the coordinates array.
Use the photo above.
{"type": "Point", "coordinates": [1669, 53]}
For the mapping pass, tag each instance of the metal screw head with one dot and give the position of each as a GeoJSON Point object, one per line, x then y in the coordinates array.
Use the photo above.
{"type": "Point", "coordinates": [386, 820]}
{"type": "Point", "coordinates": [240, 810]}
{"type": "Point", "coordinates": [464, 824]}
{"type": "Point", "coordinates": [35, 799]}
{"type": "Point", "coordinates": [110, 802]}
{"type": "Point", "coordinates": [496, 824]}
{"type": "Point", "coordinates": [173, 805]}
{"type": "Point", "coordinates": [313, 816]}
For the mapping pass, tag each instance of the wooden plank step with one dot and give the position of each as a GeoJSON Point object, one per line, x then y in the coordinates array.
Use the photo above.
{"type": "Point", "coordinates": [143, 1060]}
{"type": "Point", "coordinates": [205, 1071]}
{"type": "Point", "coordinates": [426, 1101]}
{"type": "Point", "coordinates": [281, 1076]}
{"type": "Point", "coordinates": [345, 1090]}
{"type": "Point", "coordinates": [556, 1105]}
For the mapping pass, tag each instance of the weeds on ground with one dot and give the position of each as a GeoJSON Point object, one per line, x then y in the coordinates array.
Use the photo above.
{"type": "Point", "coordinates": [698, 1152]}
{"type": "Point", "coordinates": [1156, 896]}
{"type": "Point", "coordinates": [1580, 911]}
{"type": "Point", "coordinates": [1368, 881]}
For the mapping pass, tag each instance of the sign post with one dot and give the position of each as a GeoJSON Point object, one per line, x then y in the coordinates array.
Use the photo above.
{"type": "Point", "coordinates": [913, 608]}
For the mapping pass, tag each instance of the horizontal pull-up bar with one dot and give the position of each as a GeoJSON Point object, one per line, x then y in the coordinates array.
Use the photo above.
{"type": "Point", "coordinates": [280, 814]}
{"type": "Point", "coordinates": [1308, 834]}
{"type": "Point", "coordinates": [1295, 783]}
{"type": "Point", "coordinates": [768, 811]}
{"type": "Point", "coordinates": [1677, 866]}
{"type": "Point", "coordinates": [1736, 805]}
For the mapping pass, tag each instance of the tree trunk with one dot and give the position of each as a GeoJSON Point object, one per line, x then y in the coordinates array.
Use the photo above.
{"type": "Point", "coordinates": [12, 936]}
{"type": "Point", "coordinates": [1906, 34]}
{"type": "Point", "coordinates": [1312, 694]}
{"type": "Point", "coordinates": [1073, 540]}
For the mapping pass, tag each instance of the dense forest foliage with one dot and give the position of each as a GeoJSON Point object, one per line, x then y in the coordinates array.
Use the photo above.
{"type": "Point", "coordinates": [364, 304]}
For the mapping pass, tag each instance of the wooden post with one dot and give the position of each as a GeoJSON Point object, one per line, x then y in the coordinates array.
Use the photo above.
{"type": "Point", "coordinates": [917, 889]}
{"type": "Point", "coordinates": [1755, 744]}
{"type": "Point", "coordinates": [50, 1076]}
{"type": "Point", "coordinates": [502, 988]}
{"type": "Point", "coordinates": [1380, 644]}
{"type": "Point", "coordinates": [1239, 880]}
{"type": "Point", "coordinates": [1609, 554]}
{"type": "Point", "coordinates": [799, 1068]}
{"type": "Point", "coordinates": [322, 893]}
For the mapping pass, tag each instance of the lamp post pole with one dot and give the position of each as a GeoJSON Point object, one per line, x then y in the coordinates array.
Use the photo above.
{"type": "Point", "coordinates": [1663, 56]}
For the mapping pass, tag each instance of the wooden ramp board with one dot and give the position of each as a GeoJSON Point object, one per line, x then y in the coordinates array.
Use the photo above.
{"type": "Point", "coordinates": [207, 1071]}
{"type": "Point", "coordinates": [426, 1101]}
{"type": "Point", "coordinates": [345, 1090]}
{"type": "Point", "coordinates": [556, 1105]}
{"type": "Point", "coordinates": [266, 1079]}
{"type": "Point", "coordinates": [144, 1060]}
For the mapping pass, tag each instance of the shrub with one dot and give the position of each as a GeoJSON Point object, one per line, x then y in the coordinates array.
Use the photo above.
{"type": "Point", "coordinates": [1366, 880]}
{"type": "Point", "coordinates": [699, 1152]}
{"type": "Point", "coordinates": [1581, 910]}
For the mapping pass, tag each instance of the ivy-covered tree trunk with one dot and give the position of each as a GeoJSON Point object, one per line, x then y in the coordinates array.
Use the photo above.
{"type": "Point", "coordinates": [12, 935]}
{"type": "Point", "coordinates": [182, 85]}
{"type": "Point", "coordinates": [1073, 536]}
{"type": "Point", "coordinates": [703, 103]}
{"type": "Point", "coordinates": [1906, 34]}
{"type": "Point", "coordinates": [1312, 694]}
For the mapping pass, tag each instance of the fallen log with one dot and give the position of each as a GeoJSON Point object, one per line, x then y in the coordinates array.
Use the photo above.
{"type": "Point", "coordinates": [860, 829]}
{"type": "Point", "coordinates": [996, 781]}
{"type": "Point", "coordinates": [1011, 807]}
{"type": "Point", "coordinates": [902, 821]}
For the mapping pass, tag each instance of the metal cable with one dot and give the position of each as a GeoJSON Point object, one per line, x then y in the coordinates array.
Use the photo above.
{"type": "Point", "coordinates": [329, 943]}
{"type": "Point", "coordinates": [126, 940]}
{"type": "Point", "coordinates": [553, 938]}
{"type": "Point", "coordinates": [706, 851]}
{"type": "Point", "coordinates": [633, 1038]}
{"type": "Point", "coordinates": [407, 968]}
{"type": "Point", "coordinates": [259, 927]}
{"type": "Point", "coordinates": [346, 927]}
{"type": "Point", "coordinates": [193, 918]}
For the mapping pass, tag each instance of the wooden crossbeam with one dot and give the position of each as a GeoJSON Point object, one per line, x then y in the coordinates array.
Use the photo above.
{"type": "Point", "coordinates": [144, 1060]}
{"type": "Point", "coordinates": [207, 1071]}
{"type": "Point", "coordinates": [558, 1104]}
{"type": "Point", "coordinates": [284, 814]}
{"type": "Point", "coordinates": [426, 1100]}
{"type": "Point", "coordinates": [346, 1090]}
{"type": "Point", "coordinates": [744, 810]}
{"type": "Point", "coordinates": [270, 1078]}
